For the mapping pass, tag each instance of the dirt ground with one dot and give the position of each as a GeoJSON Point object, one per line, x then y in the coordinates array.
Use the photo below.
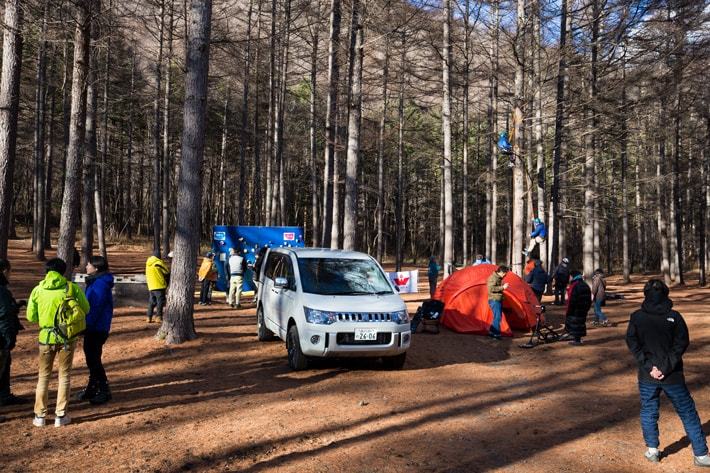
{"type": "Point", "coordinates": [226, 402]}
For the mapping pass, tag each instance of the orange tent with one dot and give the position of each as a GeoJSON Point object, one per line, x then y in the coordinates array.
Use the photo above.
{"type": "Point", "coordinates": [465, 298]}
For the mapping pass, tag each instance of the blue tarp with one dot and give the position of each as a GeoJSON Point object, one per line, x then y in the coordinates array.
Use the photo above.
{"type": "Point", "coordinates": [247, 241]}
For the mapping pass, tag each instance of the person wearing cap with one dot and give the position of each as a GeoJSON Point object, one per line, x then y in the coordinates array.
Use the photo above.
{"type": "Point", "coordinates": [157, 275]}
{"type": "Point", "coordinates": [207, 274]}
{"type": "Point", "coordinates": [538, 235]}
{"type": "Point", "coordinates": [236, 267]}
{"type": "Point", "coordinates": [496, 286]}
{"type": "Point", "coordinates": [560, 280]}
{"type": "Point", "coordinates": [657, 336]}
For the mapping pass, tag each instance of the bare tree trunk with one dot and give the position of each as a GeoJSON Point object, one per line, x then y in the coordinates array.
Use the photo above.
{"type": "Point", "coordinates": [77, 127]}
{"type": "Point", "coordinates": [222, 156]}
{"type": "Point", "coordinates": [559, 132]}
{"type": "Point", "coordinates": [518, 224]}
{"type": "Point", "coordinates": [677, 196]}
{"type": "Point", "coordinates": [166, 155]}
{"type": "Point", "coordinates": [178, 325]}
{"type": "Point", "coordinates": [398, 213]}
{"type": "Point", "coordinates": [660, 194]}
{"type": "Point", "coordinates": [354, 120]}
{"type": "Point", "coordinates": [381, 151]}
{"type": "Point", "coordinates": [9, 106]}
{"type": "Point", "coordinates": [130, 220]}
{"type": "Point", "coordinates": [626, 264]}
{"type": "Point", "coordinates": [330, 121]}
{"type": "Point", "coordinates": [157, 149]}
{"type": "Point", "coordinates": [315, 235]}
{"type": "Point", "coordinates": [39, 177]}
{"type": "Point", "coordinates": [537, 127]}
{"type": "Point", "coordinates": [90, 151]}
{"type": "Point", "coordinates": [492, 250]}
{"type": "Point", "coordinates": [280, 116]}
{"type": "Point", "coordinates": [99, 181]}
{"type": "Point", "coordinates": [466, 130]}
{"type": "Point", "coordinates": [245, 119]}
{"type": "Point", "coordinates": [446, 130]}
{"type": "Point", "coordinates": [271, 117]}
{"type": "Point", "coordinates": [49, 170]}
{"type": "Point", "coordinates": [256, 179]}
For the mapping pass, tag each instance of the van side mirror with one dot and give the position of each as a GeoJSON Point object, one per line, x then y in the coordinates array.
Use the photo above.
{"type": "Point", "coordinates": [280, 282]}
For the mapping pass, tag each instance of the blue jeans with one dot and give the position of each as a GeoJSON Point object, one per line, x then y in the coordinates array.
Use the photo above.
{"type": "Point", "coordinates": [497, 308]}
{"type": "Point", "coordinates": [684, 407]}
{"type": "Point", "coordinates": [598, 314]}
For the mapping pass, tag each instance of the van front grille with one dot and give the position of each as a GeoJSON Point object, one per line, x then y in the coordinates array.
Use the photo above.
{"type": "Point", "coordinates": [364, 316]}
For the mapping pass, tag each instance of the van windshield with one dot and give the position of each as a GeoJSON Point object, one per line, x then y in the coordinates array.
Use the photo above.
{"type": "Point", "coordinates": [336, 276]}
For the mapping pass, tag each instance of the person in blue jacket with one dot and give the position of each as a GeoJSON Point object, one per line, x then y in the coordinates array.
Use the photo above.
{"type": "Point", "coordinates": [99, 284]}
{"type": "Point", "coordinates": [538, 235]}
{"type": "Point", "coordinates": [433, 274]}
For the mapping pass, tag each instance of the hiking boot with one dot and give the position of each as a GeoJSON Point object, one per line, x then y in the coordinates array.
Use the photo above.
{"type": "Point", "coordinates": [60, 421]}
{"type": "Point", "coordinates": [149, 320]}
{"type": "Point", "coordinates": [12, 400]}
{"type": "Point", "coordinates": [103, 395]}
{"type": "Point", "coordinates": [653, 457]}
{"type": "Point", "coordinates": [576, 343]}
{"type": "Point", "coordinates": [38, 421]}
{"type": "Point", "coordinates": [703, 460]}
{"type": "Point", "coordinates": [494, 336]}
{"type": "Point", "coordinates": [87, 393]}
{"type": "Point", "coordinates": [606, 323]}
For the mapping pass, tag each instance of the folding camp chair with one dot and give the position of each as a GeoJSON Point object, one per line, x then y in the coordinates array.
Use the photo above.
{"type": "Point", "coordinates": [544, 333]}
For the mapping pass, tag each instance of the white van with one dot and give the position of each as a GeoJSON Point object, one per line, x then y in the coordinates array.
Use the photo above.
{"type": "Point", "coordinates": [335, 303]}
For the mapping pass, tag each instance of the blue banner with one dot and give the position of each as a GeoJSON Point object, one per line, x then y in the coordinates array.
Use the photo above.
{"type": "Point", "coordinates": [247, 241]}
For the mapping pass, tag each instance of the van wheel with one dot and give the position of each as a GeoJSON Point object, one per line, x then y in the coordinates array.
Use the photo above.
{"type": "Point", "coordinates": [296, 359]}
{"type": "Point", "coordinates": [262, 332]}
{"type": "Point", "coordinates": [394, 362]}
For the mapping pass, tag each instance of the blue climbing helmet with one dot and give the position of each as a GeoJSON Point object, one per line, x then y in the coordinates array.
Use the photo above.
{"type": "Point", "coordinates": [537, 221]}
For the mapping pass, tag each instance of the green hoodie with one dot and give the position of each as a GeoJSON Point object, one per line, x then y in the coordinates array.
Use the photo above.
{"type": "Point", "coordinates": [44, 301]}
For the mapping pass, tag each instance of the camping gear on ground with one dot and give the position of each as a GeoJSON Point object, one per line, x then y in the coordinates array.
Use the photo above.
{"type": "Point", "coordinates": [465, 298]}
{"type": "Point", "coordinates": [542, 333]}
{"type": "Point", "coordinates": [429, 315]}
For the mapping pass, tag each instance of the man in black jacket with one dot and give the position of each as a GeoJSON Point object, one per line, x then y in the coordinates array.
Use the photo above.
{"type": "Point", "coordinates": [9, 326]}
{"type": "Point", "coordinates": [560, 279]}
{"type": "Point", "coordinates": [657, 336]}
{"type": "Point", "coordinates": [579, 300]}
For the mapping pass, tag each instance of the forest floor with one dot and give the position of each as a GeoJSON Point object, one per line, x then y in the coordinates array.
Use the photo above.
{"type": "Point", "coordinates": [226, 402]}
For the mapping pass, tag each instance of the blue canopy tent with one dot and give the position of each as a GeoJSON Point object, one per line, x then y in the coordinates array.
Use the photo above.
{"type": "Point", "coordinates": [247, 241]}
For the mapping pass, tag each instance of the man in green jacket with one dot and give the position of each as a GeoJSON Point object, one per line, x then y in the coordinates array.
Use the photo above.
{"type": "Point", "coordinates": [495, 299]}
{"type": "Point", "coordinates": [45, 300]}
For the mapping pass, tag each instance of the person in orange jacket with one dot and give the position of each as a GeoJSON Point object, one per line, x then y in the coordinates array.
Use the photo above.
{"type": "Point", "coordinates": [207, 275]}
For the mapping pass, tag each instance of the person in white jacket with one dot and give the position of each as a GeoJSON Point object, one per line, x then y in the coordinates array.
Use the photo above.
{"type": "Point", "coordinates": [236, 266]}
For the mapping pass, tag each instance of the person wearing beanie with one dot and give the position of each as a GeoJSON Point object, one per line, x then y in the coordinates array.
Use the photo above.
{"type": "Point", "coordinates": [657, 337]}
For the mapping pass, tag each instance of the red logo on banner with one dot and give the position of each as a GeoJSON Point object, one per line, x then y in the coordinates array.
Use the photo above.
{"type": "Point", "coordinates": [289, 236]}
{"type": "Point", "coordinates": [401, 280]}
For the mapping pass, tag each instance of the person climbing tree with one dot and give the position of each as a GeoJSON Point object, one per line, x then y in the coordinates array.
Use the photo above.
{"type": "Point", "coordinates": [538, 235]}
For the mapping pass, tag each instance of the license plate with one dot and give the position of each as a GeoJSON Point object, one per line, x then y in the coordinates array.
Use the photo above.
{"type": "Point", "coordinates": [366, 334]}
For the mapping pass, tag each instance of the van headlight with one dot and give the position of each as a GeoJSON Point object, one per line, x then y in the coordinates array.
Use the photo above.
{"type": "Point", "coordinates": [322, 317]}
{"type": "Point", "coordinates": [401, 317]}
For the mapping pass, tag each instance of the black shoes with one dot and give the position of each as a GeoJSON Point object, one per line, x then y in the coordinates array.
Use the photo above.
{"type": "Point", "coordinates": [12, 400]}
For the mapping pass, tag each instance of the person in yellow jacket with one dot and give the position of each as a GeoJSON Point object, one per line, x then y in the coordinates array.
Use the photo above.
{"type": "Point", "coordinates": [207, 275]}
{"type": "Point", "coordinates": [157, 275]}
{"type": "Point", "coordinates": [42, 307]}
